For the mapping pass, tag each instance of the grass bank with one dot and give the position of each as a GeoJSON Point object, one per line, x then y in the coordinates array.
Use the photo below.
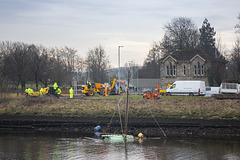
{"type": "Point", "coordinates": [179, 106]}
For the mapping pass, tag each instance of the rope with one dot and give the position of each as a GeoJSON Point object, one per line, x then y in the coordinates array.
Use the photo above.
{"type": "Point", "coordinates": [119, 112]}
{"type": "Point", "coordinates": [117, 107]}
{"type": "Point", "coordinates": [155, 119]}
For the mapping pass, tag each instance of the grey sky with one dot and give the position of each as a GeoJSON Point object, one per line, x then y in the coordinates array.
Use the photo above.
{"type": "Point", "coordinates": [85, 24]}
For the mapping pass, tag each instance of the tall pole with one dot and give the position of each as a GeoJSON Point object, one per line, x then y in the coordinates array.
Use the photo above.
{"type": "Point", "coordinates": [126, 112]}
{"type": "Point", "coordinates": [119, 74]}
{"type": "Point", "coordinates": [88, 79]}
{"type": "Point", "coordinates": [137, 80]}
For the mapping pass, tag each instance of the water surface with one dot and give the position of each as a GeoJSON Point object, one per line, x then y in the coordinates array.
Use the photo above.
{"type": "Point", "coordinates": [44, 146]}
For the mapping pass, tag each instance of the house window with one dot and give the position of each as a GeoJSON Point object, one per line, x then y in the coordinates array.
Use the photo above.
{"type": "Point", "coordinates": [184, 70]}
{"type": "Point", "coordinates": [199, 69]}
{"type": "Point", "coordinates": [202, 69]}
{"type": "Point", "coordinates": [195, 69]}
{"type": "Point", "coordinates": [167, 71]}
{"type": "Point", "coordinates": [171, 69]}
{"type": "Point", "coordinates": [174, 70]}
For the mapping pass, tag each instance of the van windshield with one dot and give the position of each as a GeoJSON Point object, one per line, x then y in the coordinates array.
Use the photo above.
{"type": "Point", "coordinates": [173, 86]}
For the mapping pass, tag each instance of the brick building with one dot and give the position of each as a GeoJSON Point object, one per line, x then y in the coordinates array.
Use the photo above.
{"type": "Point", "coordinates": [184, 65]}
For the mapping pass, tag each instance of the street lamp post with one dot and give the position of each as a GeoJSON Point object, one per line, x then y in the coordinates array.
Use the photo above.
{"type": "Point", "coordinates": [119, 74]}
{"type": "Point", "coordinates": [137, 81]}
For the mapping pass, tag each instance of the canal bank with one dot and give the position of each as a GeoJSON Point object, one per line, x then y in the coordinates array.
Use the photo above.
{"type": "Point", "coordinates": [84, 125]}
{"type": "Point", "coordinates": [175, 116]}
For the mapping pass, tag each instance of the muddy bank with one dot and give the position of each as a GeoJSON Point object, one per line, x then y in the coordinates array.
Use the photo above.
{"type": "Point", "coordinates": [197, 117]}
{"type": "Point", "coordinates": [173, 127]}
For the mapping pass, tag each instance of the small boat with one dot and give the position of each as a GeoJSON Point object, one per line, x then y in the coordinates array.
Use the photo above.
{"type": "Point", "coordinates": [117, 137]}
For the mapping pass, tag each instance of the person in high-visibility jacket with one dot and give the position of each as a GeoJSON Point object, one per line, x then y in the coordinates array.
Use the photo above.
{"type": "Point", "coordinates": [106, 91]}
{"type": "Point", "coordinates": [89, 84]}
{"type": "Point", "coordinates": [30, 91]}
{"type": "Point", "coordinates": [26, 90]}
{"type": "Point", "coordinates": [58, 92]}
{"type": "Point", "coordinates": [71, 92]}
{"type": "Point", "coordinates": [41, 92]}
{"type": "Point", "coordinates": [55, 86]}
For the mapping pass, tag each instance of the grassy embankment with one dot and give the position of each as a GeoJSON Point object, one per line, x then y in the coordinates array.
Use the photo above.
{"type": "Point", "coordinates": [172, 106]}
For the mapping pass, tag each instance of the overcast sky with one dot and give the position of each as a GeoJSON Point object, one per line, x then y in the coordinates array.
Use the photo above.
{"type": "Point", "coordinates": [134, 24]}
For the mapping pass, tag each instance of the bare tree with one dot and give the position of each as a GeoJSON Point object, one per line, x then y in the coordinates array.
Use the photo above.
{"type": "Point", "coordinates": [37, 62]}
{"type": "Point", "coordinates": [21, 63]}
{"type": "Point", "coordinates": [133, 67]}
{"type": "Point", "coordinates": [16, 64]}
{"type": "Point", "coordinates": [237, 26]}
{"type": "Point", "coordinates": [234, 63]}
{"type": "Point", "coordinates": [151, 66]}
{"type": "Point", "coordinates": [181, 33]}
{"type": "Point", "coordinates": [68, 55]}
{"type": "Point", "coordinates": [220, 46]}
{"type": "Point", "coordinates": [98, 63]}
{"type": "Point", "coordinates": [57, 68]}
{"type": "Point", "coordinates": [80, 67]}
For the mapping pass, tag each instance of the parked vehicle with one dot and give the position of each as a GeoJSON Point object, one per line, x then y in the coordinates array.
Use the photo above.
{"type": "Point", "coordinates": [211, 91]}
{"type": "Point", "coordinates": [100, 88]}
{"type": "Point", "coordinates": [229, 88]}
{"type": "Point", "coordinates": [151, 94]}
{"type": "Point", "coordinates": [191, 88]}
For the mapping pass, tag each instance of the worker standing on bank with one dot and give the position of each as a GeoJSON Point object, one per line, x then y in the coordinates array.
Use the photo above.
{"type": "Point", "coordinates": [58, 92]}
{"type": "Point", "coordinates": [30, 91]}
{"type": "Point", "coordinates": [106, 91]}
{"type": "Point", "coordinates": [55, 86]}
{"type": "Point", "coordinates": [26, 90]}
{"type": "Point", "coordinates": [71, 92]}
{"type": "Point", "coordinates": [41, 92]}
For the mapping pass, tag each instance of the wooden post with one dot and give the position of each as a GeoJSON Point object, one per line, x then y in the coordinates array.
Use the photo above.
{"type": "Point", "coordinates": [126, 112]}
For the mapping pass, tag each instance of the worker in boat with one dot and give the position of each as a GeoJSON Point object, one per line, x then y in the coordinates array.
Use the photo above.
{"type": "Point", "coordinates": [71, 93]}
{"type": "Point", "coordinates": [97, 130]}
{"type": "Point", "coordinates": [140, 138]}
{"type": "Point", "coordinates": [89, 84]}
{"type": "Point", "coordinates": [140, 135]}
{"type": "Point", "coordinates": [41, 92]}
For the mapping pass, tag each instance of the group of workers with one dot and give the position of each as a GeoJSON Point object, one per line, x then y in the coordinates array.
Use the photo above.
{"type": "Point", "coordinates": [28, 91]}
{"type": "Point", "coordinates": [56, 90]}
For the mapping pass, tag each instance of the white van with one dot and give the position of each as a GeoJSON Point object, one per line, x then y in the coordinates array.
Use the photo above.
{"type": "Point", "coordinates": [229, 88]}
{"type": "Point", "coordinates": [190, 88]}
{"type": "Point", "coordinates": [211, 90]}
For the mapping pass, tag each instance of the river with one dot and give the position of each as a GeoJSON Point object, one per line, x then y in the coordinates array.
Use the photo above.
{"type": "Point", "coordinates": [70, 146]}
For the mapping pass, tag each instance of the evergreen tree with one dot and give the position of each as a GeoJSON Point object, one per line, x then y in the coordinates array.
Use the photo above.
{"type": "Point", "coordinates": [216, 72]}
{"type": "Point", "coordinates": [207, 40]}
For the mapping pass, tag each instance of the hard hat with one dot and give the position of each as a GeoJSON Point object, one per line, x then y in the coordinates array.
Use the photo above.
{"type": "Point", "coordinates": [140, 135]}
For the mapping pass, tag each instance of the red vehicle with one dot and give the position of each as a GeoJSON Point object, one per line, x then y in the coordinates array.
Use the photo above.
{"type": "Point", "coordinates": [150, 94]}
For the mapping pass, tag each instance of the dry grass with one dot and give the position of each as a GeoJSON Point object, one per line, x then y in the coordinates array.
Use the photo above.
{"type": "Point", "coordinates": [197, 107]}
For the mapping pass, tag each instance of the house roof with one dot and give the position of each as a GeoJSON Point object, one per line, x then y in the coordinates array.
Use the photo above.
{"type": "Point", "coordinates": [187, 55]}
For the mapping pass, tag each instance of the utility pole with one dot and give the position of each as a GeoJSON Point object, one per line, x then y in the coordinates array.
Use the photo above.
{"type": "Point", "coordinates": [126, 112]}
{"type": "Point", "coordinates": [119, 74]}
{"type": "Point", "coordinates": [88, 79]}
